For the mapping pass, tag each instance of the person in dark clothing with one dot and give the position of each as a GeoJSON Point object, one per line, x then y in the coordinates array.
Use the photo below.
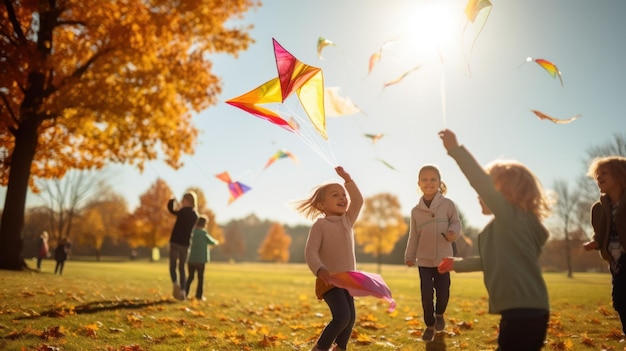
{"type": "Point", "coordinates": [186, 217]}
{"type": "Point", "coordinates": [60, 255]}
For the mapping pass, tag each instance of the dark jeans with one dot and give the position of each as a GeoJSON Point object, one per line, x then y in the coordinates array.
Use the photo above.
{"type": "Point", "coordinates": [59, 267]}
{"type": "Point", "coordinates": [431, 283]}
{"type": "Point", "coordinates": [193, 267]}
{"type": "Point", "coordinates": [178, 257]}
{"type": "Point", "coordinates": [523, 330]}
{"type": "Point", "coordinates": [618, 281]}
{"type": "Point", "coordinates": [339, 329]}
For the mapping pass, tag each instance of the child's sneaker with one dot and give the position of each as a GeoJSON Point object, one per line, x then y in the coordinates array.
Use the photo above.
{"type": "Point", "coordinates": [429, 334]}
{"type": "Point", "coordinates": [176, 292]}
{"type": "Point", "coordinates": [440, 323]}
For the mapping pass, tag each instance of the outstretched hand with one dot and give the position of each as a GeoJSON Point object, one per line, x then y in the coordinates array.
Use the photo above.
{"type": "Point", "coordinates": [449, 139]}
{"type": "Point", "coordinates": [343, 174]}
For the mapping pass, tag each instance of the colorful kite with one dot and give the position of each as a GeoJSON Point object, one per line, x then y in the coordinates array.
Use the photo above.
{"type": "Point", "coordinates": [363, 284]}
{"type": "Point", "coordinates": [548, 66]}
{"type": "Point", "coordinates": [293, 76]}
{"type": "Point", "coordinates": [402, 76]}
{"type": "Point", "coordinates": [542, 115]}
{"type": "Point", "coordinates": [280, 154]}
{"type": "Point", "coordinates": [321, 44]}
{"type": "Point", "coordinates": [236, 188]}
{"type": "Point", "coordinates": [337, 105]}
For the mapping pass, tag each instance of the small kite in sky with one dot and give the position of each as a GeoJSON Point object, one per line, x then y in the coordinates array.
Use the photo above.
{"type": "Point", "coordinates": [293, 76]}
{"type": "Point", "coordinates": [374, 137]}
{"type": "Point", "coordinates": [386, 164]}
{"type": "Point", "coordinates": [402, 76]}
{"type": "Point", "coordinates": [236, 188]}
{"type": "Point", "coordinates": [477, 12]}
{"type": "Point", "coordinates": [337, 105]}
{"type": "Point", "coordinates": [321, 44]}
{"type": "Point", "coordinates": [542, 115]}
{"type": "Point", "coordinates": [280, 154]}
{"type": "Point", "coordinates": [363, 284]}
{"type": "Point", "coordinates": [375, 57]}
{"type": "Point", "coordinates": [548, 66]}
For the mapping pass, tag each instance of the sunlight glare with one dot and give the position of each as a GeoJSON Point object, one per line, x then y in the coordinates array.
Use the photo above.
{"type": "Point", "coordinates": [433, 25]}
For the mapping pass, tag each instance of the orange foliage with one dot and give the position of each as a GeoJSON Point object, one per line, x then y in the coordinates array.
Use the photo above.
{"type": "Point", "coordinates": [275, 247]}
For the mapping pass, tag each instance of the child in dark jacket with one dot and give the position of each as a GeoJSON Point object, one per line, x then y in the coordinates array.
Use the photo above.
{"type": "Point", "coordinates": [60, 255]}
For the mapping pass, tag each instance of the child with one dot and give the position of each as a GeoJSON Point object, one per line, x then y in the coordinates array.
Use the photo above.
{"type": "Point", "coordinates": [330, 248]}
{"type": "Point", "coordinates": [199, 255]}
{"type": "Point", "coordinates": [509, 246]}
{"type": "Point", "coordinates": [43, 248]}
{"type": "Point", "coordinates": [186, 218]}
{"type": "Point", "coordinates": [608, 218]}
{"type": "Point", "coordinates": [434, 226]}
{"type": "Point", "coordinates": [60, 255]}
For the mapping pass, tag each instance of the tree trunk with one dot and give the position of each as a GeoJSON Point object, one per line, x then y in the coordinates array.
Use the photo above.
{"type": "Point", "coordinates": [15, 202]}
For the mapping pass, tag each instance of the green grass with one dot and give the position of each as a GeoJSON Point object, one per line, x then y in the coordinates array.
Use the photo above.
{"type": "Point", "coordinates": [128, 306]}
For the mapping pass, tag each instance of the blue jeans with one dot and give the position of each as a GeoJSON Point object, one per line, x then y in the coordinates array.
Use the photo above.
{"type": "Point", "coordinates": [178, 257]}
{"type": "Point", "coordinates": [339, 329]}
{"type": "Point", "coordinates": [432, 282]}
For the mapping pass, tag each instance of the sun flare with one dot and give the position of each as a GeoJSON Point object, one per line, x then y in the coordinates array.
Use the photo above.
{"type": "Point", "coordinates": [433, 25]}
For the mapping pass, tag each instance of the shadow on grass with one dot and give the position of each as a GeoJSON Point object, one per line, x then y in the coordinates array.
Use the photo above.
{"type": "Point", "coordinates": [438, 344]}
{"type": "Point", "coordinates": [99, 306]}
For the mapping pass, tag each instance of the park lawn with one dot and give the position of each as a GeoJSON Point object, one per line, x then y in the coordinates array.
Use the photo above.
{"type": "Point", "coordinates": [254, 306]}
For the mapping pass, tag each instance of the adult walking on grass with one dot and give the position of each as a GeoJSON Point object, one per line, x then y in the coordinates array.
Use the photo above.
{"type": "Point", "coordinates": [186, 218]}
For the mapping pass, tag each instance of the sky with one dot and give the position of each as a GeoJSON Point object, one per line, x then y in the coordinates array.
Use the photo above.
{"type": "Point", "coordinates": [483, 92]}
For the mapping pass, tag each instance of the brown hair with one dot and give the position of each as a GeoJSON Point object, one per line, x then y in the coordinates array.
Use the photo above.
{"type": "Point", "coordinates": [443, 189]}
{"type": "Point", "coordinates": [202, 221]}
{"type": "Point", "coordinates": [520, 187]}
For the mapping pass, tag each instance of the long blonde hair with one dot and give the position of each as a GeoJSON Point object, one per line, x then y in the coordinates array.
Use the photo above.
{"type": "Point", "coordinates": [308, 207]}
{"type": "Point", "coordinates": [520, 187]}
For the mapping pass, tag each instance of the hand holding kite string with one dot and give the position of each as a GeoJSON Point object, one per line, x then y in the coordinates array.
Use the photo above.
{"type": "Point", "coordinates": [542, 115]}
{"type": "Point", "coordinates": [236, 188]}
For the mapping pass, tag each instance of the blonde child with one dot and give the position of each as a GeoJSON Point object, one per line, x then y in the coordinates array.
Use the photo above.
{"type": "Point", "coordinates": [186, 218]}
{"type": "Point", "coordinates": [199, 255]}
{"type": "Point", "coordinates": [509, 246]}
{"type": "Point", "coordinates": [608, 218]}
{"type": "Point", "coordinates": [43, 248]}
{"type": "Point", "coordinates": [330, 248]}
{"type": "Point", "coordinates": [434, 226]}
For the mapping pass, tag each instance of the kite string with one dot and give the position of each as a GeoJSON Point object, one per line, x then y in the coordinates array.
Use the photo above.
{"type": "Point", "coordinates": [443, 94]}
{"type": "Point", "coordinates": [310, 140]}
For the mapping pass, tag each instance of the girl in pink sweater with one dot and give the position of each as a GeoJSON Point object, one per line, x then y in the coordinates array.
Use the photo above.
{"type": "Point", "coordinates": [330, 249]}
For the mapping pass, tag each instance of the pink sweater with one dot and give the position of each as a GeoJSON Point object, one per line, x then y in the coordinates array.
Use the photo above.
{"type": "Point", "coordinates": [331, 240]}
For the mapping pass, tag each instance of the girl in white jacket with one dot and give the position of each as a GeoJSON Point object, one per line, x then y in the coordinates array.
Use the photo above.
{"type": "Point", "coordinates": [434, 226]}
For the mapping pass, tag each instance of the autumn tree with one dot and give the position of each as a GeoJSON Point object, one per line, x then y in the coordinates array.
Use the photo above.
{"type": "Point", "coordinates": [234, 245]}
{"type": "Point", "coordinates": [86, 83]}
{"type": "Point", "coordinates": [565, 209]}
{"type": "Point", "coordinates": [64, 198]}
{"type": "Point", "coordinates": [275, 247]}
{"type": "Point", "coordinates": [203, 209]}
{"type": "Point", "coordinates": [151, 223]}
{"type": "Point", "coordinates": [101, 218]}
{"type": "Point", "coordinates": [380, 225]}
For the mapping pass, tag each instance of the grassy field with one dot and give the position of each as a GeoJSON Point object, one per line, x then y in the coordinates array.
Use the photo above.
{"type": "Point", "coordinates": [128, 306]}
